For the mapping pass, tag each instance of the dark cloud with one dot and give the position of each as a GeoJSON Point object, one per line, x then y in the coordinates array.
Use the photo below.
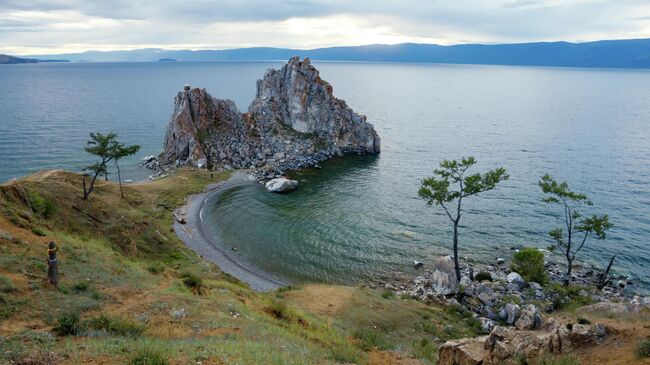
{"type": "Point", "coordinates": [272, 22]}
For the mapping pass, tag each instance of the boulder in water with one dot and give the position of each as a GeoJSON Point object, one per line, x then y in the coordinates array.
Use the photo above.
{"type": "Point", "coordinates": [281, 185]}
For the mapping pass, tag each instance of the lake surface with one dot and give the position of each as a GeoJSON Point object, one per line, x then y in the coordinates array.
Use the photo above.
{"type": "Point", "coordinates": [360, 218]}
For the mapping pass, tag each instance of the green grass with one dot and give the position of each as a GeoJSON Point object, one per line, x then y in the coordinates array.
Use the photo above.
{"type": "Point", "coordinates": [370, 338]}
{"type": "Point", "coordinates": [113, 325]}
{"type": "Point", "coordinates": [123, 271]}
{"type": "Point", "coordinates": [643, 349]}
{"type": "Point", "coordinates": [68, 323]}
{"type": "Point", "coordinates": [568, 298]}
{"type": "Point", "coordinates": [6, 286]}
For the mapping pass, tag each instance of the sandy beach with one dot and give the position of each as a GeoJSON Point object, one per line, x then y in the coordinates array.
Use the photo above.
{"type": "Point", "coordinates": [196, 237]}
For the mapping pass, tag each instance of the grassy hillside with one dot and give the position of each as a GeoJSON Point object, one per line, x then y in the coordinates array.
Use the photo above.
{"type": "Point", "coordinates": [130, 291]}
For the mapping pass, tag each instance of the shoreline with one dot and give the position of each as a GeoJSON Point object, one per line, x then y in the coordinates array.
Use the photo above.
{"type": "Point", "coordinates": [213, 249]}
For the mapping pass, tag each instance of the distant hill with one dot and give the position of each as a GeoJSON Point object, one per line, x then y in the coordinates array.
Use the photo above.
{"type": "Point", "coordinates": [6, 59]}
{"type": "Point", "coordinates": [633, 53]}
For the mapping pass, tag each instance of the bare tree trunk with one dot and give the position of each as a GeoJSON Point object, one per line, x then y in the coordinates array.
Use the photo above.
{"type": "Point", "coordinates": [84, 186]}
{"type": "Point", "coordinates": [456, 265]}
{"type": "Point", "coordinates": [604, 278]}
{"type": "Point", "coordinates": [119, 178]}
{"type": "Point", "coordinates": [567, 278]}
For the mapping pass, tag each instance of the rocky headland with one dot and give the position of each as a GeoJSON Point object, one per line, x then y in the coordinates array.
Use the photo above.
{"type": "Point", "coordinates": [294, 122]}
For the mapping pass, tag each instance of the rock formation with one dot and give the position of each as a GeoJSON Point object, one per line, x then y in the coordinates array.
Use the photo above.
{"type": "Point", "coordinates": [506, 345]}
{"type": "Point", "coordinates": [294, 122]}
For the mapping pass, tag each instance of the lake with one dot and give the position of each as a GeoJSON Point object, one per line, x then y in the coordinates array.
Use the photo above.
{"type": "Point", "coordinates": [360, 218]}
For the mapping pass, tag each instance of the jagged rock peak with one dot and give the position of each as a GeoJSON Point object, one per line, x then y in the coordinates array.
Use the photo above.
{"type": "Point", "coordinates": [293, 122]}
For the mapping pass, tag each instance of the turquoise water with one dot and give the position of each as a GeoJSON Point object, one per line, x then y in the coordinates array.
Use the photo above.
{"type": "Point", "coordinates": [360, 218]}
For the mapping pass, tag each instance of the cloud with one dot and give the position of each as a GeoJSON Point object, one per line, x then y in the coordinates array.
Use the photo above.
{"type": "Point", "coordinates": [44, 26]}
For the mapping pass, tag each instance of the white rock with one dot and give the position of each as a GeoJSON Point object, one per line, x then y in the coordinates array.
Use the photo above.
{"type": "Point", "coordinates": [281, 185]}
{"type": "Point", "coordinates": [443, 277]}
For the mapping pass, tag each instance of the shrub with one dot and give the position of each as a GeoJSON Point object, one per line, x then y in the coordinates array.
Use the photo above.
{"type": "Point", "coordinates": [481, 276]}
{"type": "Point", "coordinates": [81, 286]}
{"type": "Point", "coordinates": [68, 323]}
{"type": "Point", "coordinates": [115, 326]}
{"type": "Point", "coordinates": [369, 339]}
{"type": "Point", "coordinates": [41, 206]}
{"type": "Point", "coordinates": [192, 281]}
{"type": "Point", "coordinates": [6, 286]}
{"type": "Point", "coordinates": [387, 294]}
{"type": "Point", "coordinates": [147, 355]}
{"type": "Point", "coordinates": [529, 263]}
{"type": "Point", "coordinates": [567, 297]}
{"type": "Point", "coordinates": [38, 231]}
{"type": "Point", "coordinates": [643, 349]}
{"type": "Point", "coordinates": [156, 268]}
{"type": "Point", "coordinates": [425, 349]}
{"type": "Point", "coordinates": [281, 310]}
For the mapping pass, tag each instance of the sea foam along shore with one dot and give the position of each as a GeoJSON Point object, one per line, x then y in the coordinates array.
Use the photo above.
{"type": "Point", "coordinates": [192, 231]}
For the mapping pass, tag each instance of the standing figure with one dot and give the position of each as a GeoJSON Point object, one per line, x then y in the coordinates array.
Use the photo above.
{"type": "Point", "coordinates": [52, 265]}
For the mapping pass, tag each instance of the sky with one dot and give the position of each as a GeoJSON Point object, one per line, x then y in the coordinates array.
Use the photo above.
{"type": "Point", "coordinates": [37, 27]}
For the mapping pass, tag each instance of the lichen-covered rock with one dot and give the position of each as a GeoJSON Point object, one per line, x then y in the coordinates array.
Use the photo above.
{"type": "Point", "coordinates": [530, 319]}
{"type": "Point", "coordinates": [443, 277]}
{"type": "Point", "coordinates": [294, 122]}
{"type": "Point", "coordinates": [506, 345]}
{"type": "Point", "coordinates": [510, 313]}
{"type": "Point", "coordinates": [462, 352]}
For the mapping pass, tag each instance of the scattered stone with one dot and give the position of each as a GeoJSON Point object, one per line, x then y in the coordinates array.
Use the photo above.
{"type": "Point", "coordinates": [417, 264]}
{"type": "Point", "coordinates": [500, 261]}
{"type": "Point", "coordinates": [179, 313]}
{"type": "Point", "coordinates": [510, 313]}
{"type": "Point", "coordinates": [530, 319]}
{"type": "Point", "coordinates": [516, 279]}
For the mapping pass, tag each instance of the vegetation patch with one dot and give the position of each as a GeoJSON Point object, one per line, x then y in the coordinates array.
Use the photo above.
{"type": "Point", "coordinates": [193, 281]}
{"type": "Point", "coordinates": [643, 349]}
{"type": "Point", "coordinates": [114, 325]}
{"type": "Point", "coordinates": [371, 339]}
{"type": "Point", "coordinates": [483, 276]}
{"type": "Point", "coordinates": [68, 323]}
{"type": "Point", "coordinates": [529, 263]}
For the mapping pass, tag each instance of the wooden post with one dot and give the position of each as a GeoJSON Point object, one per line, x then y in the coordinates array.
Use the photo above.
{"type": "Point", "coordinates": [52, 265]}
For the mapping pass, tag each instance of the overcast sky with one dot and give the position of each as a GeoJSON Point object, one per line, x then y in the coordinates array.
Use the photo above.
{"type": "Point", "coordinates": [58, 26]}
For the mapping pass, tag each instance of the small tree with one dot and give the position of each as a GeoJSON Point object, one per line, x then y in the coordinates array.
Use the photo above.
{"type": "Point", "coordinates": [435, 190]}
{"type": "Point", "coordinates": [99, 145]}
{"type": "Point", "coordinates": [578, 229]}
{"type": "Point", "coordinates": [119, 150]}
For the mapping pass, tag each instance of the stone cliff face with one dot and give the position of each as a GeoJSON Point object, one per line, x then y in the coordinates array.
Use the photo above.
{"type": "Point", "coordinates": [294, 122]}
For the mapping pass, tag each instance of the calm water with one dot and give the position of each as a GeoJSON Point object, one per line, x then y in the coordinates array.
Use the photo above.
{"type": "Point", "coordinates": [360, 217]}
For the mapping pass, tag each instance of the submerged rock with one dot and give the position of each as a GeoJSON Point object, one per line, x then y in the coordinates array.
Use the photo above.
{"type": "Point", "coordinates": [294, 122]}
{"type": "Point", "coordinates": [281, 185]}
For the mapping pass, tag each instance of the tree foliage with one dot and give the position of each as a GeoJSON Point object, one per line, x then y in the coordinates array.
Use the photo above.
{"type": "Point", "coordinates": [437, 190]}
{"type": "Point", "coordinates": [107, 148]}
{"type": "Point", "coordinates": [571, 238]}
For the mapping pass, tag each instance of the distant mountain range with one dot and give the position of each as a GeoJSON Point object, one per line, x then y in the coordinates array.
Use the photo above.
{"type": "Point", "coordinates": [633, 53]}
{"type": "Point", "coordinates": [6, 59]}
